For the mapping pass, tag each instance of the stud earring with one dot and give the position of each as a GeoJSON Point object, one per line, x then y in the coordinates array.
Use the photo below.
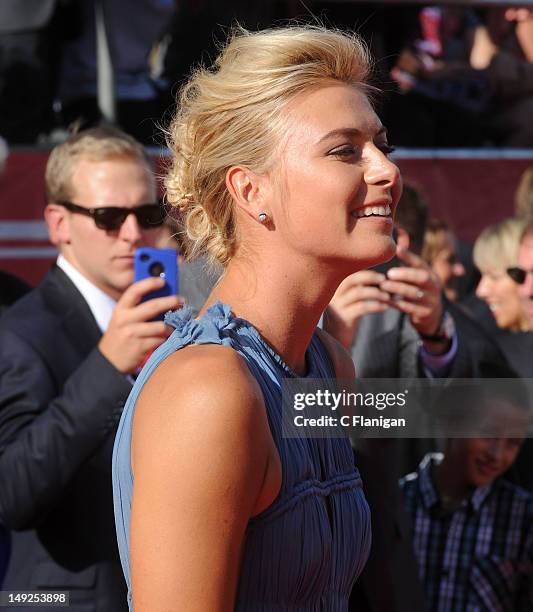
{"type": "Point", "coordinates": [262, 217]}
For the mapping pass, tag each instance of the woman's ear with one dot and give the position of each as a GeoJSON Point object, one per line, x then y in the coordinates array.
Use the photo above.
{"type": "Point", "coordinates": [58, 224]}
{"type": "Point", "coordinates": [247, 190]}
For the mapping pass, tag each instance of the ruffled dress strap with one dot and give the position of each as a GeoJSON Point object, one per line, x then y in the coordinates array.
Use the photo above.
{"type": "Point", "coordinates": [213, 327]}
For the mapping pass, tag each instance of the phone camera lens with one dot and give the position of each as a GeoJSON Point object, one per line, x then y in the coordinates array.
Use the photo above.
{"type": "Point", "coordinates": [144, 257]}
{"type": "Point", "coordinates": [156, 269]}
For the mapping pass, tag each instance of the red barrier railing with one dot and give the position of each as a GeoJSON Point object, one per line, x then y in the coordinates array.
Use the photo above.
{"type": "Point", "coordinates": [468, 188]}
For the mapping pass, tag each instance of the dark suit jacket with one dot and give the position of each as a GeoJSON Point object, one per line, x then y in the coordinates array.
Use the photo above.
{"type": "Point", "coordinates": [387, 346]}
{"type": "Point", "coordinates": [5, 551]}
{"type": "Point", "coordinates": [60, 401]}
{"type": "Point", "coordinates": [11, 290]}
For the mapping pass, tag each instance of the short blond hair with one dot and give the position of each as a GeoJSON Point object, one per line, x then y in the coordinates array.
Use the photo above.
{"type": "Point", "coordinates": [496, 248]}
{"type": "Point", "coordinates": [95, 144]}
{"type": "Point", "coordinates": [232, 114]}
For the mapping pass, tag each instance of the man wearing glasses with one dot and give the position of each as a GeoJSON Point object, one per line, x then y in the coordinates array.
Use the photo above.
{"type": "Point", "coordinates": [67, 353]}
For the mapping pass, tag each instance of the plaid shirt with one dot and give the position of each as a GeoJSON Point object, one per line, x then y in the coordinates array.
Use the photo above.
{"type": "Point", "coordinates": [478, 557]}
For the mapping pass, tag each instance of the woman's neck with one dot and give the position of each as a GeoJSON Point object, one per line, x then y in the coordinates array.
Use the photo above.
{"type": "Point", "coordinates": [283, 303]}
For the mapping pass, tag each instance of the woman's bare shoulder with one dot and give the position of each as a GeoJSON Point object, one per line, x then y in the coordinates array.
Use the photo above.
{"type": "Point", "coordinates": [210, 378]}
{"type": "Point", "coordinates": [202, 366]}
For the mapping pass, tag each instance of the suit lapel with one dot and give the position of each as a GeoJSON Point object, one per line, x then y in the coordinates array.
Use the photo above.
{"type": "Point", "coordinates": [70, 306]}
{"type": "Point", "coordinates": [376, 346]}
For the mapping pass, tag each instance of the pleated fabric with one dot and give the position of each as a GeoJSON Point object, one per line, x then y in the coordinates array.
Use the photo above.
{"type": "Point", "coordinates": [304, 552]}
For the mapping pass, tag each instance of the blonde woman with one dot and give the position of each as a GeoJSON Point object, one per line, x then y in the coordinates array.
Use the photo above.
{"type": "Point", "coordinates": [215, 509]}
{"type": "Point", "coordinates": [495, 254]}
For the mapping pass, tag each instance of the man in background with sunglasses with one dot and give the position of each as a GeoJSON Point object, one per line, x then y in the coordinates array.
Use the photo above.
{"type": "Point", "coordinates": [67, 353]}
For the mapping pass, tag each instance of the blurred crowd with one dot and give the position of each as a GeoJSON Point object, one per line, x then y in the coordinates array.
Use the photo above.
{"type": "Point", "coordinates": [452, 75]}
{"type": "Point", "coordinates": [71, 348]}
{"type": "Point", "coordinates": [452, 519]}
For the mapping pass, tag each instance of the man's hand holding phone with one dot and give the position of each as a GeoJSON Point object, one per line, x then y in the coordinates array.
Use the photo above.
{"type": "Point", "coordinates": [416, 290]}
{"type": "Point", "coordinates": [413, 289]}
{"type": "Point", "coordinates": [359, 294]}
{"type": "Point", "coordinates": [132, 332]}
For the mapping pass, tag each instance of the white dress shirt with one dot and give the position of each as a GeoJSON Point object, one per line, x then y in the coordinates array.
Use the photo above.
{"type": "Point", "coordinates": [101, 304]}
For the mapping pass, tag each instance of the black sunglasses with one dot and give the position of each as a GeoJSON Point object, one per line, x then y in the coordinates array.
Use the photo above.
{"type": "Point", "coordinates": [518, 274]}
{"type": "Point", "coordinates": [148, 216]}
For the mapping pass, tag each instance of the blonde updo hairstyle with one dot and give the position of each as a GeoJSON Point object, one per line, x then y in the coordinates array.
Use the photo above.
{"type": "Point", "coordinates": [233, 114]}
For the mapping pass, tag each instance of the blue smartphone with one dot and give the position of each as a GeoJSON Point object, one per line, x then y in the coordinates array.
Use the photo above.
{"type": "Point", "coordinates": [150, 262]}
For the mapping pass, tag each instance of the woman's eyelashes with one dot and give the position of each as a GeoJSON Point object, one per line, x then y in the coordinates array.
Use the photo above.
{"type": "Point", "coordinates": [345, 151]}
{"type": "Point", "coordinates": [351, 151]}
{"type": "Point", "coordinates": [385, 148]}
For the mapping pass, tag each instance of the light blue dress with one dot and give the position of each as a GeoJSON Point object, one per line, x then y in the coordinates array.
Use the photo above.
{"type": "Point", "coordinates": [304, 552]}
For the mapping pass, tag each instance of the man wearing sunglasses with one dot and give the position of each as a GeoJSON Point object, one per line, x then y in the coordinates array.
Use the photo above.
{"type": "Point", "coordinates": [68, 351]}
{"type": "Point", "coordinates": [524, 273]}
